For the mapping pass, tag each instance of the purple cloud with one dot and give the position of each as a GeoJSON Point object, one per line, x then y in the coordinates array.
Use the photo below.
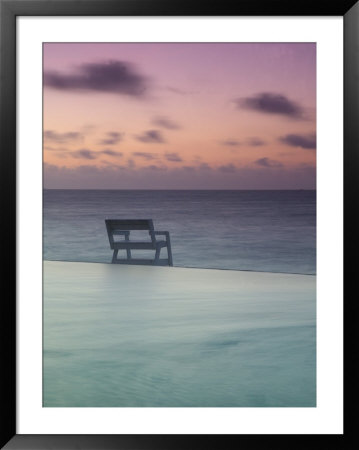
{"type": "Point", "coordinates": [112, 138]}
{"type": "Point", "coordinates": [112, 153]}
{"type": "Point", "coordinates": [55, 149]}
{"type": "Point", "coordinates": [113, 176]}
{"type": "Point", "coordinates": [113, 76]}
{"type": "Point", "coordinates": [266, 162]}
{"type": "Point", "coordinates": [84, 153]}
{"type": "Point", "coordinates": [131, 164]}
{"type": "Point", "coordinates": [304, 141]}
{"type": "Point", "coordinates": [174, 157]}
{"type": "Point", "coordinates": [155, 167]}
{"type": "Point", "coordinates": [204, 166]}
{"type": "Point", "coordinates": [228, 168]}
{"type": "Point", "coordinates": [144, 155]}
{"type": "Point", "coordinates": [165, 122]}
{"type": "Point", "coordinates": [60, 138]}
{"type": "Point", "coordinates": [271, 103]}
{"type": "Point", "coordinates": [151, 136]}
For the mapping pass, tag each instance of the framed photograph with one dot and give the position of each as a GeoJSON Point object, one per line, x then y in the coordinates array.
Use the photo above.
{"type": "Point", "coordinates": [174, 184]}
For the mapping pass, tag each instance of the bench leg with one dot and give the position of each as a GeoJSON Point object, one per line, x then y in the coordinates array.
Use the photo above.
{"type": "Point", "coordinates": [157, 255]}
{"type": "Point", "coordinates": [114, 257]}
{"type": "Point", "coordinates": [128, 251]}
{"type": "Point", "coordinates": [169, 254]}
{"type": "Point", "coordinates": [169, 250]}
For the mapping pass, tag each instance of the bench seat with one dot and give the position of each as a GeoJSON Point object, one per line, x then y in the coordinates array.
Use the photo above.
{"type": "Point", "coordinates": [139, 245]}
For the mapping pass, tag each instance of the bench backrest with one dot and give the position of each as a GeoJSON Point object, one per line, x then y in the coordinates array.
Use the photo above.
{"type": "Point", "coordinates": [113, 225]}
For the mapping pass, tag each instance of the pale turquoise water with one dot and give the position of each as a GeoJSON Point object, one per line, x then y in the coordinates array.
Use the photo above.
{"type": "Point", "coordinates": [122, 336]}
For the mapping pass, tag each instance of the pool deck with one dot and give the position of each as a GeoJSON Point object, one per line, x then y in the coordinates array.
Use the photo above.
{"type": "Point", "coordinates": [120, 335]}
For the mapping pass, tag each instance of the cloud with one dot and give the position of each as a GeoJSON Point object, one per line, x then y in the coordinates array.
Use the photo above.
{"type": "Point", "coordinates": [255, 142]}
{"type": "Point", "coordinates": [112, 153]}
{"type": "Point", "coordinates": [117, 77]}
{"type": "Point", "coordinates": [112, 138]}
{"type": "Point", "coordinates": [131, 164]}
{"type": "Point", "coordinates": [174, 157]}
{"type": "Point", "coordinates": [155, 167]}
{"type": "Point", "coordinates": [145, 155]}
{"type": "Point", "coordinates": [271, 103]}
{"type": "Point", "coordinates": [165, 122]}
{"type": "Point", "coordinates": [231, 142]}
{"type": "Point", "coordinates": [151, 136]}
{"type": "Point", "coordinates": [204, 166]}
{"type": "Point", "coordinates": [84, 153]}
{"type": "Point", "coordinates": [55, 149]}
{"type": "Point", "coordinates": [228, 168]}
{"type": "Point", "coordinates": [304, 141]}
{"type": "Point", "coordinates": [60, 138]}
{"type": "Point", "coordinates": [266, 162]}
{"type": "Point", "coordinates": [113, 176]}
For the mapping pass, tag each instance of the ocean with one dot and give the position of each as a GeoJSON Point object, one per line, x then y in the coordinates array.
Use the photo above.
{"type": "Point", "coordinates": [270, 231]}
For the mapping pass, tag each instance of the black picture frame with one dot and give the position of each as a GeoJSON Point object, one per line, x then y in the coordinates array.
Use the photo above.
{"type": "Point", "coordinates": [9, 10]}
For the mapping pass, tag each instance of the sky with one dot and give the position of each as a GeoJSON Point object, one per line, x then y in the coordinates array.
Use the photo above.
{"type": "Point", "coordinates": [179, 116]}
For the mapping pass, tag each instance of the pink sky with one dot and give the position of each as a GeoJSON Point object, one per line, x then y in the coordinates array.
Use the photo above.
{"type": "Point", "coordinates": [180, 116]}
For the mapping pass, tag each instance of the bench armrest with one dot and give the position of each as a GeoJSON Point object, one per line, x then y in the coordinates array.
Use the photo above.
{"type": "Point", "coordinates": [168, 244]}
{"type": "Point", "coordinates": [163, 233]}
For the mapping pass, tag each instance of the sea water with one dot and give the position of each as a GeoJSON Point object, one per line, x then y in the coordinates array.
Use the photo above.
{"type": "Point", "coordinates": [272, 231]}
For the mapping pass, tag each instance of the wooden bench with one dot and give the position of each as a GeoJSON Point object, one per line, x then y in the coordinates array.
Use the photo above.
{"type": "Point", "coordinates": [123, 228]}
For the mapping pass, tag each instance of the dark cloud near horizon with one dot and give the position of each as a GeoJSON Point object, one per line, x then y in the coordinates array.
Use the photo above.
{"type": "Point", "coordinates": [204, 166]}
{"type": "Point", "coordinates": [155, 167]}
{"type": "Point", "coordinates": [84, 153]}
{"type": "Point", "coordinates": [61, 138]}
{"type": "Point", "coordinates": [131, 164]}
{"type": "Point", "coordinates": [272, 103]}
{"type": "Point", "coordinates": [112, 138]}
{"type": "Point", "coordinates": [228, 168]}
{"type": "Point", "coordinates": [266, 162]}
{"type": "Point", "coordinates": [150, 137]}
{"type": "Point", "coordinates": [55, 149]}
{"type": "Point", "coordinates": [111, 153]}
{"type": "Point", "coordinates": [145, 155]}
{"type": "Point", "coordinates": [174, 157]}
{"type": "Point", "coordinates": [308, 142]}
{"type": "Point", "coordinates": [113, 176]}
{"type": "Point", "coordinates": [117, 77]}
{"type": "Point", "coordinates": [165, 122]}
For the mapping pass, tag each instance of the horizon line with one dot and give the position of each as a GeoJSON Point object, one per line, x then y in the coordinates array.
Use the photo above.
{"type": "Point", "coordinates": [150, 189]}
